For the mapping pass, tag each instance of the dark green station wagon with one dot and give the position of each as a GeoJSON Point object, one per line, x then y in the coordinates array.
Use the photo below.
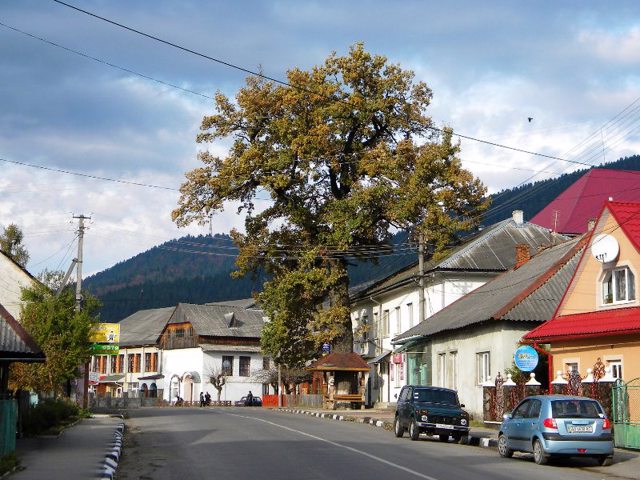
{"type": "Point", "coordinates": [431, 410]}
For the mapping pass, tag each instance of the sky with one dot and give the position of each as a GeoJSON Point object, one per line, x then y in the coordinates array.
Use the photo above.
{"type": "Point", "coordinates": [84, 96]}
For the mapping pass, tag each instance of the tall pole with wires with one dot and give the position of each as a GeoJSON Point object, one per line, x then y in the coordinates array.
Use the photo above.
{"type": "Point", "coordinates": [81, 228]}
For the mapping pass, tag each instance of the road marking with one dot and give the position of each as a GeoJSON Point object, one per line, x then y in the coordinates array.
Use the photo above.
{"type": "Point", "coordinates": [336, 444]}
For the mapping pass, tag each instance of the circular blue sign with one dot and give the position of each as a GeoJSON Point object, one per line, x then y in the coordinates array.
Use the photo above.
{"type": "Point", "coordinates": [526, 358]}
{"type": "Point", "coordinates": [326, 348]}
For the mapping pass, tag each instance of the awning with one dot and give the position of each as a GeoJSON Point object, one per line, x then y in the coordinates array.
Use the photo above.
{"type": "Point", "coordinates": [111, 378]}
{"type": "Point", "coordinates": [195, 376]}
{"type": "Point", "coordinates": [406, 346]}
{"type": "Point", "coordinates": [157, 376]}
{"type": "Point", "coordinates": [380, 357]}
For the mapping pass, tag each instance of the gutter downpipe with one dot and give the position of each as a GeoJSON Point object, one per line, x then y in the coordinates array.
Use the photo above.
{"type": "Point", "coordinates": [377, 326]}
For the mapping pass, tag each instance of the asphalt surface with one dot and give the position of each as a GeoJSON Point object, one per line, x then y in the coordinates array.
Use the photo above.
{"type": "Point", "coordinates": [236, 443]}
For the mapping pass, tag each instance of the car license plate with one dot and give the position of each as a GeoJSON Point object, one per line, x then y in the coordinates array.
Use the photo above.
{"type": "Point", "coordinates": [442, 425]}
{"type": "Point", "coordinates": [580, 428]}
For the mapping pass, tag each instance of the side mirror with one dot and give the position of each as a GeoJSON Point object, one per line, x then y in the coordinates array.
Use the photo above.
{"type": "Point", "coordinates": [395, 395]}
{"type": "Point", "coordinates": [506, 416]}
{"type": "Point", "coordinates": [462, 405]}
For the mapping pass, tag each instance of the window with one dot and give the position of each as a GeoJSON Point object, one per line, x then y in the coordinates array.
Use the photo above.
{"type": "Point", "coordinates": [442, 369]}
{"type": "Point", "coordinates": [453, 370]}
{"type": "Point", "coordinates": [410, 314]}
{"type": "Point", "coordinates": [616, 367]}
{"type": "Point", "coordinates": [365, 327]}
{"type": "Point", "coordinates": [266, 363]}
{"type": "Point", "coordinates": [619, 285]}
{"type": "Point", "coordinates": [398, 321]}
{"type": "Point", "coordinates": [385, 323]}
{"type": "Point", "coordinates": [571, 367]}
{"type": "Point", "coordinates": [376, 325]}
{"type": "Point", "coordinates": [245, 364]}
{"type": "Point", "coordinates": [483, 367]}
{"type": "Point", "coordinates": [113, 364]}
{"type": "Point", "coordinates": [120, 363]}
{"type": "Point", "coordinates": [227, 365]}
{"type": "Point", "coordinates": [102, 361]}
{"type": "Point", "coordinates": [151, 362]}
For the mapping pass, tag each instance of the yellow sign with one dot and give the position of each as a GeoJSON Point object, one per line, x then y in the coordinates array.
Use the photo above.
{"type": "Point", "coordinates": [105, 333]}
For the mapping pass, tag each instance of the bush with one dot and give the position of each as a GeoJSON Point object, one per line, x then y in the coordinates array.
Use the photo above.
{"type": "Point", "coordinates": [49, 415]}
{"type": "Point", "coordinates": [8, 463]}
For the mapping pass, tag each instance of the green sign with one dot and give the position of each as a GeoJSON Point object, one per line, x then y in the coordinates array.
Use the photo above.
{"type": "Point", "coordinates": [104, 349]}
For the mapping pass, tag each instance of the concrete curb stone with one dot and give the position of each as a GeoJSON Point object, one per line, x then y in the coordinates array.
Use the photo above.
{"type": "Point", "coordinates": [475, 441]}
{"type": "Point", "coordinates": [109, 466]}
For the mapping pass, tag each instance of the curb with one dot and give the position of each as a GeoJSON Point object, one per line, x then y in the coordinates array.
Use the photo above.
{"type": "Point", "coordinates": [107, 469]}
{"type": "Point", "coordinates": [475, 441]}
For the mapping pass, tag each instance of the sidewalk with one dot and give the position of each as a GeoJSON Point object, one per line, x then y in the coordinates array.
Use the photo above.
{"type": "Point", "coordinates": [78, 453]}
{"type": "Point", "coordinates": [626, 463]}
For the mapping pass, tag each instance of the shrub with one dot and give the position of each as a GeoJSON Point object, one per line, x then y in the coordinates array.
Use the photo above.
{"type": "Point", "coordinates": [49, 414]}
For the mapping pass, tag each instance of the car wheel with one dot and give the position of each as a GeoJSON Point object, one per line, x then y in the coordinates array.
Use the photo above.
{"type": "Point", "coordinates": [444, 437]}
{"type": "Point", "coordinates": [414, 431]}
{"type": "Point", "coordinates": [605, 460]}
{"type": "Point", "coordinates": [539, 456]}
{"type": "Point", "coordinates": [398, 429]}
{"type": "Point", "coordinates": [503, 450]}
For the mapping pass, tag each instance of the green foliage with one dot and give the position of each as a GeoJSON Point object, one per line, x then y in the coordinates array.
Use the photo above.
{"type": "Point", "coordinates": [61, 332]}
{"type": "Point", "coordinates": [49, 416]}
{"type": "Point", "coordinates": [346, 154]}
{"type": "Point", "coordinates": [11, 244]}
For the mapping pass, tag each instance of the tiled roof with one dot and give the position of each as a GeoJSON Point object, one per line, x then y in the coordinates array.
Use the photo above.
{"type": "Point", "coordinates": [144, 327]}
{"type": "Point", "coordinates": [220, 320]}
{"type": "Point", "coordinates": [491, 250]}
{"type": "Point", "coordinates": [628, 217]}
{"type": "Point", "coordinates": [529, 293]}
{"type": "Point", "coordinates": [15, 343]}
{"type": "Point", "coordinates": [571, 211]}
{"type": "Point", "coordinates": [602, 323]}
{"type": "Point", "coordinates": [340, 361]}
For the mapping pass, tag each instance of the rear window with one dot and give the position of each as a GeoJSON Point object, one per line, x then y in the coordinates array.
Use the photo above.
{"type": "Point", "coordinates": [436, 396]}
{"type": "Point", "coordinates": [576, 409]}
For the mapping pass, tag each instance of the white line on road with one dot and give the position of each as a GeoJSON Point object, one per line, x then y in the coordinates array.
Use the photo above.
{"type": "Point", "coordinates": [355, 450]}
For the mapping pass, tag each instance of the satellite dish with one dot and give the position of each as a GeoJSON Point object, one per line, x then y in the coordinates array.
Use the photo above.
{"type": "Point", "coordinates": [605, 248]}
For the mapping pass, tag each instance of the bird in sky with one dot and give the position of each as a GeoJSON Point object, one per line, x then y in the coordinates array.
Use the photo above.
{"type": "Point", "coordinates": [530, 118]}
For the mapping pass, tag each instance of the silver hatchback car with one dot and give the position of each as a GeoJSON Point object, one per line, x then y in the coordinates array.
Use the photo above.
{"type": "Point", "coordinates": [555, 426]}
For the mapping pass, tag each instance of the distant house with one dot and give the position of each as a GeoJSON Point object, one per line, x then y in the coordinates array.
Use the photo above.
{"type": "Point", "coordinates": [599, 317]}
{"type": "Point", "coordinates": [571, 212]}
{"type": "Point", "coordinates": [475, 337]}
{"type": "Point", "coordinates": [388, 308]}
{"type": "Point", "coordinates": [201, 340]}
{"type": "Point", "coordinates": [14, 279]}
{"type": "Point", "coordinates": [171, 352]}
{"type": "Point", "coordinates": [136, 370]}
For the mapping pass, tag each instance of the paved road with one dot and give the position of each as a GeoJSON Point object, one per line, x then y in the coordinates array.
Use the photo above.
{"type": "Point", "coordinates": [240, 443]}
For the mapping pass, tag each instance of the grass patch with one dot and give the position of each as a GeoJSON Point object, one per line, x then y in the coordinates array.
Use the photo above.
{"type": "Point", "coordinates": [8, 463]}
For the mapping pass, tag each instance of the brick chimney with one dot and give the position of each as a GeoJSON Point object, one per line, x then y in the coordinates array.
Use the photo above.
{"type": "Point", "coordinates": [523, 254]}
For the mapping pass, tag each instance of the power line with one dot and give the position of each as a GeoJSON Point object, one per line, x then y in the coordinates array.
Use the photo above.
{"type": "Point", "coordinates": [104, 62]}
{"type": "Point", "coordinates": [87, 175]}
{"type": "Point", "coordinates": [289, 85]}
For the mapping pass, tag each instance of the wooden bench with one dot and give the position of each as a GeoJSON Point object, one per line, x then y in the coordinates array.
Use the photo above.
{"type": "Point", "coordinates": [344, 397]}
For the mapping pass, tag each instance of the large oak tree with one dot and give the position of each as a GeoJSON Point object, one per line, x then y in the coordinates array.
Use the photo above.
{"type": "Point", "coordinates": [347, 153]}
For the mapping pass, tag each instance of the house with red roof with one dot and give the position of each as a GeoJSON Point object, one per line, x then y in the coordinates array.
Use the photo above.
{"type": "Point", "coordinates": [599, 315]}
{"type": "Point", "coordinates": [572, 210]}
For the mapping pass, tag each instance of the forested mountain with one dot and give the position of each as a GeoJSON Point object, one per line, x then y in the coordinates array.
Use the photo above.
{"type": "Point", "coordinates": [197, 269]}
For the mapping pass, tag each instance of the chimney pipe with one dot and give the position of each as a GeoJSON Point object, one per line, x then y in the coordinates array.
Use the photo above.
{"type": "Point", "coordinates": [518, 217]}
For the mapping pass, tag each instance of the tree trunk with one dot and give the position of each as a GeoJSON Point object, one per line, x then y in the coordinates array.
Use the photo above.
{"type": "Point", "coordinates": [340, 298]}
{"type": "Point", "coordinates": [219, 392]}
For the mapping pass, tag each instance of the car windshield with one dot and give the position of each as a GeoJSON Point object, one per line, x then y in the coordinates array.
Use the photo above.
{"type": "Point", "coordinates": [436, 396]}
{"type": "Point", "coordinates": [575, 409]}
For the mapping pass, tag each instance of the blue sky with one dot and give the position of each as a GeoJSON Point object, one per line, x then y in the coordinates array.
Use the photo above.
{"type": "Point", "coordinates": [572, 66]}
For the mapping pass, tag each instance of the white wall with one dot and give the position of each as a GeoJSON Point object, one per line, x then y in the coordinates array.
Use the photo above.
{"type": "Point", "coordinates": [498, 338]}
{"type": "Point", "coordinates": [178, 362]}
{"type": "Point", "coordinates": [12, 279]}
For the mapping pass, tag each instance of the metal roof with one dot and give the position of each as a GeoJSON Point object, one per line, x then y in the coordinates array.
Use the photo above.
{"type": "Point", "coordinates": [15, 343]}
{"type": "Point", "coordinates": [528, 293]}
{"type": "Point", "coordinates": [144, 327]}
{"type": "Point", "coordinates": [490, 250]}
{"type": "Point", "coordinates": [209, 320]}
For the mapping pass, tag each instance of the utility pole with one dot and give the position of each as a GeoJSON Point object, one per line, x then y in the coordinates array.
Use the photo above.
{"type": "Point", "coordinates": [81, 227]}
{"type": "Point", "coordinates": [421, 277]}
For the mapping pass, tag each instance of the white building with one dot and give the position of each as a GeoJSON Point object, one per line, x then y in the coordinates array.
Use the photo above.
{"type": "Point", "coordinates": [389, 307]}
